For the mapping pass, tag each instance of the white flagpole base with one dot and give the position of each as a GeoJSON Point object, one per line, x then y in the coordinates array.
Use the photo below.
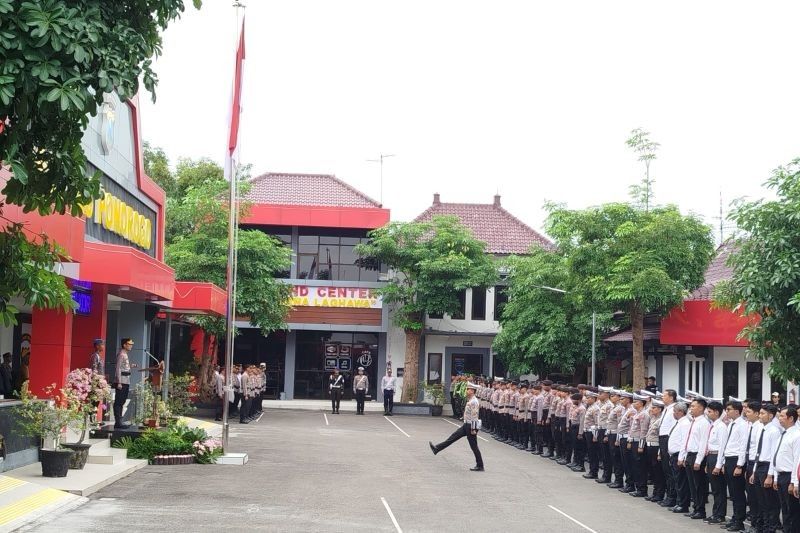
{"type": "Point", "coordinates": [233, 459]}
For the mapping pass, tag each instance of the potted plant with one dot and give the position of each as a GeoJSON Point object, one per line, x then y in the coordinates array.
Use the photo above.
{"type": "Point", "coordinates": [47, 419]}
{"type": "Point", "coordinates": [434, 392]}
{"type": "Point", "coordinates": [85, 389]}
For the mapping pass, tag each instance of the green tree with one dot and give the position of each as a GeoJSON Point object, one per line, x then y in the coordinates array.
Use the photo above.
{"type": "Point", "coordinates": [156, 165]}
{"type": "Point", "coordinates": [544, 331]}
{"type": "Point", "coordinates": [645, 150]}
{"type": "Point", "coordinates": [621, 257]}
{"type": "Point", "coordinates": [766, 273]}
{"type": "Point", "coordinates": [57, 60]}
{"type": "Point", "coordinates": [429, 262]}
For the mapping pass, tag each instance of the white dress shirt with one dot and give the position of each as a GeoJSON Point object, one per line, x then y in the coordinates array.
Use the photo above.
{"type": "Point", "coordinates": [388, 383]}
{"type": "Point", "coordinates": [678, 436]}
{"type": "Point", "coordinates": [696, 440]}
{"type": "Point", "coordinates": [714, 442]}
{"type": "Point", "coordinates": [788, 453]}
{"type": "Point", "coordinates": [755, 434]}
{"type": "Point", "coordinates": [667, 420]}
{"type": "Point", "coordinates": [771, 436]}
{"type": "Point", "coordinates": [736, 445]}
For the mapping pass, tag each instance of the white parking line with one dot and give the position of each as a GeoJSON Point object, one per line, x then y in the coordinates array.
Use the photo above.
{"type": "Point", "coordinates": [391, 514]}
{"type": "Point", "coordinates": [326, 419]}
{"type": "Point", "coordinates": [401, 431]}
{"type": "Point", "coordinates": [459, 425]}
{"type": "Point", "coordinates": [584, 526]}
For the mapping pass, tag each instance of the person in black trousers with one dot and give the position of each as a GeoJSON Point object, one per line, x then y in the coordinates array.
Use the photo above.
{"type": "Point", "coordinates": [469, 428]}
{"type": "Point", "coordinates": [336, 386]}
{"type": "Point", "coordinates": [360, 388]}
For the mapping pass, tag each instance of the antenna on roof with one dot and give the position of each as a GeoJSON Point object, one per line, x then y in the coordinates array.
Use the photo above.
{"type": "Point", "coordinates": [380, 160]}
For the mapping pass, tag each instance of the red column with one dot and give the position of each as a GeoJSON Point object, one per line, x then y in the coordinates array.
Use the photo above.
{"type": "Point", "coordinates": [85, 329]}
{"type": "Point", "coordinates": [51, 348]}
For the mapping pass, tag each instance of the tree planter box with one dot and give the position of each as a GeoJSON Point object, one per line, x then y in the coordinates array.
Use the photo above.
{"type": "Point", "coordinates": [172, 460]}
{"type": "Point", "coordinates": [55, 463]}
{"type": "Point", "coordinates": [80, 455]}
{"type": "Point", "coordinates": [414, 409]}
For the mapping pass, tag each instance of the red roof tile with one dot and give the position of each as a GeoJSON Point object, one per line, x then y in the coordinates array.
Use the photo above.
{"type": "Point", "coordinates": [277, 188]}
{"type": "Point", "coordinates": [651, 332]}
{"type": "Point", "coordinates": [502, 232]}
{"type": "Point", "coordinates": [717, 271]}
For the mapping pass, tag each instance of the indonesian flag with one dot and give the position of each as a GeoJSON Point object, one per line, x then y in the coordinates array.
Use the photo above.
{"type": "Point", "coordinates": [231, 154]}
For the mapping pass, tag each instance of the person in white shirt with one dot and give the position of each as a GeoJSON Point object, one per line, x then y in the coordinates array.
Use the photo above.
{"type": "Point", "coordinates": [388, 384]}
{"type": "Point", "coordinates": [754, 427]}
{"type": "Point", "coordinates": [666, 424]}
{"type": "Point", "coordinates": [713, 451]}
{"type": "Point", "coordinates": [694, 463]}
{"type": "Point", "coordinates": [677, 436]}
{"type": "Point", "coordinates": [733, 457]}
{"type": "Point", "coordinates": [766, 443]}
{"type": "Point", "coordinates": [783, 469]}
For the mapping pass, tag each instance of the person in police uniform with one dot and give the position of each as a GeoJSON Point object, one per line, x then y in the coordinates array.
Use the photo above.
{"type": "Point", "coordinates": [360, 389]}
{"type": "Point", "coordinates": [335, 387]}
{"type": "Point", "coordinates": [469, 428]}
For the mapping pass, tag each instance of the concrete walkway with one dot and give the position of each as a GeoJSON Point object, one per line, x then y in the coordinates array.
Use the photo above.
{"type": "Point", "coordinates": [22, 502]}
{"type": "Point", "coordinates": [347, 406]}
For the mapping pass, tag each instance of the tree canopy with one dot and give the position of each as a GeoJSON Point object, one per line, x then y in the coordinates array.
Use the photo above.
{"type": "Point", "coordinates": [622, 257]}
{"type": "Point", "coordinates": [544, 331]}
{"type": "Point", "coordinates": [57, 60]}
{"type": "Point", "coordinates": [766, 272]}
{"type": "Point", "coordinates": [429, 262]}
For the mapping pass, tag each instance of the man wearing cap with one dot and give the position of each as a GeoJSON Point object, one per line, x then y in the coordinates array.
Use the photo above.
{"type": "Point", "coordinates": [469, 428]}
{"type": "Point", "coordinates": [360, 388]}
{"type": "Point", "coordinates": [591, 434]}
{"type": "Point", "coordinates": [637, 445]}
{"type": "Point", "coordinates": [544, 420]}
{"type": "Point", "coordinates": [615, 464]}
{"type": "Point", "coordinates": [388, 385]}
{"type": "Point", "coordinates": [604, 409]}
{"type": "Point", "coordinates": [653, 452]}
{"type": "Point", "coordinates": [536, 408]}
{"type": "Point", "coordinates": [623, 435]}
{"type": "Point", "coordinates": [775, 398]}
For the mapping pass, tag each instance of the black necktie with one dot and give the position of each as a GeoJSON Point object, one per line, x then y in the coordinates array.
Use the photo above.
{"type": "Point", "coordinates": [760, 440]}
{"type": "Point", "coordinates": [730, 430]}
{"type": "Point", "coordinates": [749, 434]}
{"type": "Point", "coordinates": [775, 457]}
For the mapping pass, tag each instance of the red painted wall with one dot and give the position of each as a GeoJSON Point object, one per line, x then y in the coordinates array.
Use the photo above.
{"type": "Point", "coordinates": [85, 329]}
{"type": "Point", "coordinates": [699, 325]}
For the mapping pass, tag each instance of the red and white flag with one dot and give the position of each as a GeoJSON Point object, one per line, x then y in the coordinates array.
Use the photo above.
{"type": "Point", "coordinates": [231, 154]}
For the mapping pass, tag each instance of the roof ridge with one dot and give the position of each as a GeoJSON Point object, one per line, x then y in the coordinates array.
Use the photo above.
{"type": "Point", "coordinates": [331, 177]}
{"type": "Point", "coordinates": [356, 191]}
{"type": "Point", "coordinates": [544, 239]}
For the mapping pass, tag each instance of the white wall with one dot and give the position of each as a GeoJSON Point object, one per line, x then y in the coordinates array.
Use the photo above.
{"type": "Point", "coordinates": [726, 353]}
{"type": "Point", "coordinates": [489, 325]}
{"type": "Point", "coordinates": [669, 373]}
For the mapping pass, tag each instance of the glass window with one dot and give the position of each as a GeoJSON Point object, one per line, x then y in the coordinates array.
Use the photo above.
{"type": "Point", "coordinates": [434, 368]}
{"type": "Point", "coordinates": [348, 273]}
{"type": "Point", "coordinates": [307, 266]}
{"type": "Point", "coordinates": [730, 378]}
{"type": "Point", "coordinates": [329, 253]}
{"type": "Point", "coordinates": [755, 371]}
{"type": "Point", "coordinates": [368, 275]}
{"type": "Point", "coordinates": [479, 303]}
{"type": "Point", "coordinates": [350, 241]}
{"type": "Point", "coordinates": [500, 300]}
{"type": "Point", "coordinates": [309, 244]}
{"type": "Point", "coordinates": [329, 240]}
{"type": "Point", "coordinates": [348, 255]}
{"type": "Point", "coordinates": [462, 305]}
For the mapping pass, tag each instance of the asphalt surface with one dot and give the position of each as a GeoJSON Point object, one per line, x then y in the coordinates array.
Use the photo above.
{"type": "Point", "coordinates": [349, 474]}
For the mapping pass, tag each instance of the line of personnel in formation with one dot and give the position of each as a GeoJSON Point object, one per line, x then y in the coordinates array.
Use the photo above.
{"type": "Point", "coordinates": [743, 451]}
{"type": "Point", "coordinates": [249, 383]}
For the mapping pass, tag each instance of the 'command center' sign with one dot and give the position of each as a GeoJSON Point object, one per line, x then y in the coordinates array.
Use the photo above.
{"type": "Point", "coordinates": [303, 295]}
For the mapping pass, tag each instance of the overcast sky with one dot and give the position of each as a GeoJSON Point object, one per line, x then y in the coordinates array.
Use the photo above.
{"type": "Point", "coordinates": [533, 100]}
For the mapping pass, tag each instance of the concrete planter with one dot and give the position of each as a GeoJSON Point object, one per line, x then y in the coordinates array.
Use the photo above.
{"type": "Point", "coordinates": [80, 455]}
{"type": "Point", "coordinates": [173, 460]}
{"type": "Point", "coordinates": [55, 463]}
{"type": "Point", "coordinates": [414, 409]}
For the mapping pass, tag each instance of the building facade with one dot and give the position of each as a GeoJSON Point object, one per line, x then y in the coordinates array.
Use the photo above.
{"type": "Point", "coordinates": [462, 343]}
{"type": "Point", "coordinates": [336, 321]}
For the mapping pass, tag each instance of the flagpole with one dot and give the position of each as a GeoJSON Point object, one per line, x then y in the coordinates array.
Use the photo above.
{"type": "Point", "coordinates": [231, 277]}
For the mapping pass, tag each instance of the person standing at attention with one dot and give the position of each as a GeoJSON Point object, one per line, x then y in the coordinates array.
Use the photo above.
{"type": "Point", "coordinates": [468, 429]}
{"type": "Point", "coordinates": [360, 388]}
{"type": "Point", "coordinates": [335, 386]}
{"type": "Point", "coordinates": [122, 380]}
{"type": "Point", "coordinates": [388, 384]}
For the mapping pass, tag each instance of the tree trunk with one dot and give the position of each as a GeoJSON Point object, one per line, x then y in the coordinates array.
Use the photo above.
{"type": "Point", "coordinates": [411, 365]}
{"type": "Point", "coordinates": [637, 329]}
{"type": "Point", "coordinates": [204, 373]}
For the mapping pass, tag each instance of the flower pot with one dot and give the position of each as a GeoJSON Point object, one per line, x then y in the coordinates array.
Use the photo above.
{"type": "Point", "coordinates": [55, 463]}
{"type": "Point", "coordinates": [151, 423]}
{"type": "Point", "coordinates": [436, 410]}
{"type": "Point", "coordinates": [78, 459]}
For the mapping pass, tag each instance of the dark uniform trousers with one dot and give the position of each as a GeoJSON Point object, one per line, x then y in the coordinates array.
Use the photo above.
{"type": "Point", "coordinates": [616, 458]}
{"type": "Point", "coordinates": [654, 466]}
{"type": "Point", "coordinates": [666, 468]}
{"type": "Point", "coordinates": [570, 442]}
{"type": "Point", "coordinates": [720, 507]}
{"type": "Point", "coordinates": [790, 506]}
{"type": "Point", "coordinates": [698, 484]}
{"type": "Point", "coordinates": [736, 489]}
{"type": "Point", "coordinates": [601, 450]}
{"type": "Point", "coordinates": [625, 456]}
{"type": "Point", "coordinates": [753, 498]}
{"type": "Point", "coordinates": [360, 396]}
{"type": "Point", "coordinates": [593, 449]}
{"type": "Point", "coordinates": [639, 454]}
{"type": "Point", "coordinates": [767, 499]}
{"type": "Point", "coordinates": [336, 398]}
{"type": "Point", "coordinates": [464, 431]}
{"type": "Point", "coordinates": [545, 432]}
{"type": "Point", "coordinates": [244, 408]}
{"type": "Point", "coordinates": [681, 477]}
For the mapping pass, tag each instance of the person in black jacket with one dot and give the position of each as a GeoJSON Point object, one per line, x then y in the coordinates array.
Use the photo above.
{"type": "Point", "coordinates": [6, 376]}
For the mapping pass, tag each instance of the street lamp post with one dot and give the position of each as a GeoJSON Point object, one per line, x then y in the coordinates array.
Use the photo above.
{"type": "Point", "coordinates": [594, 330]}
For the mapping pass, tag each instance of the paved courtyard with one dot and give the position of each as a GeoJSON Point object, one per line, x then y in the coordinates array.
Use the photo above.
{"type": "Point", "coordinates": [315, 472]}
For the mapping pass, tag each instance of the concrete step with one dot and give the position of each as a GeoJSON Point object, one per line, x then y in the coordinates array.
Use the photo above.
{"type": "Point", "coordinates": [79, 482]}
{"type": "Point", "coordinates": [110, 456]}
{"type": "Point", "coordinates": [98, 445]}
